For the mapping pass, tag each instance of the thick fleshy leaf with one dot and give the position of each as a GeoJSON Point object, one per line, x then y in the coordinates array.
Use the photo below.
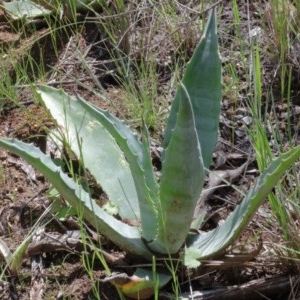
{"type": "Point", "coordinates": [202, 80]}
{"type": "Point", "coordinates": [27, 9]}
{"type": "Point", "coordinates": [213, 242]}
{"type": "Point", "coordinates": [24, 9]}
{"type": "Point", "coordinates": [99, 151]}
{"type": "Point", "coordinates": [181, 180]}
{"type": "Point", "coordinates": [125, 236]}
{"type": "Point", "coordinates": [138, 156]}
{"type": "Point", "coordinates": [141, 285]}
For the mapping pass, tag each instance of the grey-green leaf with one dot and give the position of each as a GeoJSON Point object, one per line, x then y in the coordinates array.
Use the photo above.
{"type": "Point", "coordinates": [92, 143]}
{"type": "Point", "coordinates": [202, 80]}
{"type": "Point", "coordinates": [125, 236]}
{"type": "Point", "coordinates": [27, 9]}
{"type": "Point", "coordinates": [140, 163]}
{"type": "Point", "coordinates": [213, 242]}
{"type": "Point", "coordinates": [24, 9]}
{"type": "Point", "coordinates": [181, 180]}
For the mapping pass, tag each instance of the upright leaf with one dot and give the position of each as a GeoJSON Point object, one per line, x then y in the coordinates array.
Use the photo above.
{"type": "Point", "coordinates": [181, 180]}
{"type": "Point", "coordinates": [202, 80]}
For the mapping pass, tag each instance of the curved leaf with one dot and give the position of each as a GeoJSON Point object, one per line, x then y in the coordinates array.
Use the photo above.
{"type": "Point", "coordinates": [140, 163]}
{"type": "Point", "coordinates": [27, 9]}
{"type": "Point", "coordinates": [213, 242]}
{"type": "Point", "coordinates": [141, 285]}
{"type": "Point", "coordinates": [24, 9]}
{"type": "Point", "coordinates": [100, 152]}
{"type": "Point", "coordinates": [123, 235]}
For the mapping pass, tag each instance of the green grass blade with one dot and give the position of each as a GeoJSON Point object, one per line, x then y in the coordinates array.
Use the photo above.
{"type": "Point", "coordinates": [211, 243]}
{"type": "Point", "coordinates": [202, 80]}
{"type": "Point", "coordinates": [125, 236]}
{"type": "Point", "coordinates": [181, 180]}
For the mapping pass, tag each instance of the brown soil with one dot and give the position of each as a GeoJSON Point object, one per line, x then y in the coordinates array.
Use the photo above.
{"type": "Point", "coordinates": [59, 272]}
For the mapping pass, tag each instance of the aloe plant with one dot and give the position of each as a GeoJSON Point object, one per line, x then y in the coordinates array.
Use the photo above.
{"type": "Point", "coordinates": [120, 162]}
